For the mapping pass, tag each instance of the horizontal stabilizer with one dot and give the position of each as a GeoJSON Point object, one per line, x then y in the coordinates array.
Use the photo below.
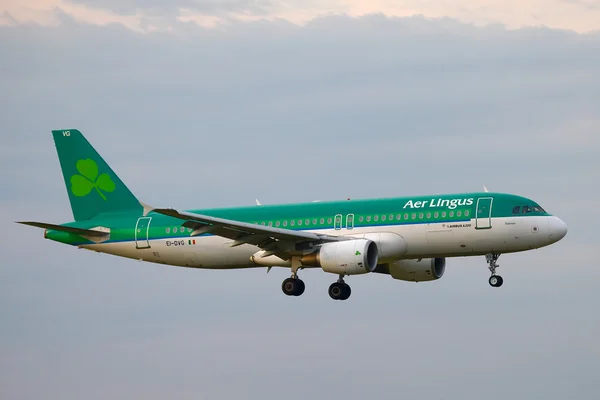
{"type": "Point", "coordinates": [93, 235]}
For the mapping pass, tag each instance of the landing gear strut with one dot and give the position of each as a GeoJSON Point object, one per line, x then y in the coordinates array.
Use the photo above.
{"type": "Point", "coordinates": [293, 286]}
{"type": "Point", "coordinates": [492, 260]}
{"type": "Point", "coordinates": [340, 290]}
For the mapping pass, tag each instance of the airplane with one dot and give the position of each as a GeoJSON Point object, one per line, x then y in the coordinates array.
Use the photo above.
{"type": "Point", "coordinates": [408, 238]}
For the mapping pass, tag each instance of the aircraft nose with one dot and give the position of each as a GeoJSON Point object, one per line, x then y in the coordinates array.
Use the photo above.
{"type": "Point", "coordinates": [557, 229]}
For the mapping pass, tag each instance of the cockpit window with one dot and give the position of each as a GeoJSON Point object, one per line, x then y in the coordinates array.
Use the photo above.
{"type": "Point", "coordinates": [516, 210]}
{"type": "Point", "coordinates": [538, 209]}
{"type": "Point", "coordinates": [526, 209]}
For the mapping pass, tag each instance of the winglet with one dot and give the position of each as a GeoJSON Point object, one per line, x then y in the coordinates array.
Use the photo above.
{"type": "Point", "coordinates": [258, 203]}
{"type": "Point", "coordinates": [485, 189]}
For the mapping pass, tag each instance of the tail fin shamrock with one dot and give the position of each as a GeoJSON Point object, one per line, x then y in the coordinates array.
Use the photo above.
{"type": "Point", "coordinates": [92, 185]}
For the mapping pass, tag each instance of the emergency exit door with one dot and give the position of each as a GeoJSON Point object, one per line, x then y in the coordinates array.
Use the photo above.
{"type": "Point", "coordinates": [483, 213]}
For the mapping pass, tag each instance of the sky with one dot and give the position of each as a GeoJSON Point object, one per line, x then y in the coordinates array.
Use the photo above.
{"type": "Point", "coordinates": [208, 104]}
{"type": "Point", "coordinates": [577, 15]}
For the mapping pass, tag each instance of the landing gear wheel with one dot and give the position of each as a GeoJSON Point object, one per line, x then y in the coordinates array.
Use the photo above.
{"type": "Point", "coordinates": [496, 281]}
{"type": "Point", "coordinates": [339, 291]}
{"type": "Point", "coordinates": [293, 287]}
{"type": "Point", "coordinates": [492, 260]}
{"type": "Point", "coordinates": [301, 287]}
{"type": "Point", "coordinates": [347, 292]}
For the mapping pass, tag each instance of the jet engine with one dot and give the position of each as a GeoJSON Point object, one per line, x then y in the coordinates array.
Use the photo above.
{"type": "Point", "coordinates": [426, 269]}
{"type": "Point", "coordinates": [348, 257]}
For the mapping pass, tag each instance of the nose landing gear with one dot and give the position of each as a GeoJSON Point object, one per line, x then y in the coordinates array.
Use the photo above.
{"type": "Point", "coordinates": [492, 260]}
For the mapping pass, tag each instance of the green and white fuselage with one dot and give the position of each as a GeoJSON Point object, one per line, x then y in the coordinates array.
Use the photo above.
{"type": "Point", "coordinates": [406, 237]}
{"type": "Point", "coordinates": [479, 224]}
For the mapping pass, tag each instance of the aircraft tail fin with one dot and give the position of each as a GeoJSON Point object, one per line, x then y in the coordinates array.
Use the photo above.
{"type": "Point", "coordinates": [92, 185]}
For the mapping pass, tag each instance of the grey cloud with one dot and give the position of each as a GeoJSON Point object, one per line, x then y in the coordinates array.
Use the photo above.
{"type": "Point", "coordinates": [364, 107]}
{"type": "Point", "coordinates": [172, 7]}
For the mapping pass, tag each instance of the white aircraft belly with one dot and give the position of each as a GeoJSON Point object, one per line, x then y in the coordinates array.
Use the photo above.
{"type": "Point", "coordinates": [422, 241]}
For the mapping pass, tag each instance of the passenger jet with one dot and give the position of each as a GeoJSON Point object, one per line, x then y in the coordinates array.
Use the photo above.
{"type": "Point", "coordinates": [408, 238]}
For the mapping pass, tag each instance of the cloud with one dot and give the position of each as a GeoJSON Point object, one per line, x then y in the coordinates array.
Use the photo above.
{"type": "Point", "coordinates": [361, 107]}
{"type": "Point", "coordinates": [576, 15]}
{"type": "Point", "coordinates": [159, 7]}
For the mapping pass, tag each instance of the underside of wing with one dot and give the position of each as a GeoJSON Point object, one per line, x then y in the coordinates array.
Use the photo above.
{"type": "Point", "coordinates": [274, 241]}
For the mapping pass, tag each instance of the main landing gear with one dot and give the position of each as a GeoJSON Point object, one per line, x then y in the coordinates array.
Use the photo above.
{"type": "Point", "coordinates": [492, 260]}
{"type": "Point", "coordinates": [293, 286]}
{"type": "Point", "coordinates": [340, 290]}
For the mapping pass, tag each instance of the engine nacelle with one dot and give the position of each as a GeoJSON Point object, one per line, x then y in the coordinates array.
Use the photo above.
{"type": "Point", "coordinates": [427, 269]}
{"type": "Point", "coordinates": [348, 257]}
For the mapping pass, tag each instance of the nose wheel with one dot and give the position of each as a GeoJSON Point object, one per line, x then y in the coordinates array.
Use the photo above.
{"type": "Point", "coordinates": [492, 260]}
{"type": "Point", "coordinates": [496, 281]}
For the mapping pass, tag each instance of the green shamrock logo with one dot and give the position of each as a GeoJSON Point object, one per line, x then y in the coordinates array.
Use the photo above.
{"type": "Point", "coordinates": [357, 253]}
{"type": "Point", "coordinates": [82, 185]}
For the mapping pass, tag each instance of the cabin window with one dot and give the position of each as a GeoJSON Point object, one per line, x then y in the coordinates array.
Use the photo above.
{"type": "Point", "coordinates": [443, 214]}
{"type": "Point", "coordinates": [285, 223]}
{"type": "Point", "coordinates": [516, 209]}
{"type": "Point", "coordinates": [322, 221]}
{"type": "Point", "coordinates": [306, 222]}
{"type": "Point", "coordinates": [458, 213]}
{"type": "Point", "coordinates": [263, 223]}
{"type": "Point", "coordinates": [329, 221]}
{"type": "Point", "coordinates": [392, 216]}
{"type": "Point", "coordinates": [466, 213]}
{"type": "Point", "coordinates": [168, 230]}
{"type": "Point", "coordinates": [292, 222]}
{"type": "Point", "coordinates": [299, 222]}
{"type": "Point", "coordinates": [405, 217]}
{"type": "Point", "coordinates": [277, 223]}
{"type": "Point", "coordinates": [414, 216]}
{"type": "Point", "coordinates": [376, 218]}
{"type": "Point", "coordinates": [368, 218]}
{"type": "Point", "coordinates": [361, 218]}
{"type": "Point", "coordinates": [383, 217]}
{"type": "Point", "coordinates": [398, 217]}
{"type": "Point", "coordinates": [436, 214]}
{"type": "Point", "coordinates": [182, 229]}
{"type": "Point", "coordinates": [428, 215]}
{"type": "Point", "coordinates": [526, 209]}
{"type": "Point", "coordinates": [451, 214]}
{"type": "Point", "coordinates": [421, 215]}
{"type": "Point", "coordinates": [270, 223]}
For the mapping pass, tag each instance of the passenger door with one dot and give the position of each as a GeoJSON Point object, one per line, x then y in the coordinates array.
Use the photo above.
{"type": "Point", "coordinates": [142, 228]}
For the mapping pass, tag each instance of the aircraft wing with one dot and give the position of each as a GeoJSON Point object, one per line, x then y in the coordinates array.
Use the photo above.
{"type": "Point", "coordinates": [281, 242]}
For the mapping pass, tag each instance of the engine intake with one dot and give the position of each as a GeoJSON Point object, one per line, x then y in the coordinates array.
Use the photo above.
{"type": "Point", "coordinates": [348, 257]}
